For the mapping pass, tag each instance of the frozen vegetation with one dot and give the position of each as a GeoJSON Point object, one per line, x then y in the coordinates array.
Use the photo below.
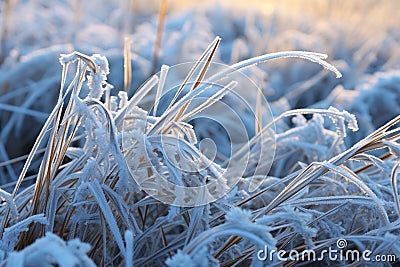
{"type": "Point", "coordinates": [86, 132]}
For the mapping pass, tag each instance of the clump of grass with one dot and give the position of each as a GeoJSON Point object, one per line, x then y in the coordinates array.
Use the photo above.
{"type": "Point", "coordinates": [86, 186]}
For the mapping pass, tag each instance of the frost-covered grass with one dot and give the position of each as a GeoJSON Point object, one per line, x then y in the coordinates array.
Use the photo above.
{"type": "Point", "coordinates": [93, 195]}
{"type": "Point", "coordinates": [76, 199]}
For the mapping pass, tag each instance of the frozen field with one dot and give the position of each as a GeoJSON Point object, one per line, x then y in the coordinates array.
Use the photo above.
{"type": "Point", "coordinates": [290, 152]}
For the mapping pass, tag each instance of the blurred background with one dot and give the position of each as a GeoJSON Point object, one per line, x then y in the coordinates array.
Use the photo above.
{"type": "Point", "coordinates": [361, 37]}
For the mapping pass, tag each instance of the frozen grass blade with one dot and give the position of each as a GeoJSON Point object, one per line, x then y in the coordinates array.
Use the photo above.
{"type": "Point", "coordinates": [200, 77]}
{"type": "Point", "coordinates": [135, 99]}
{"type": "Point", "coordinates": [161, 20]}
{"type": "Point", "coordinates": [129, 240]}
{"type": "Point", "coordinates": [258, 117]}
{"type": "Point", "coordinates": [393, 180]}
{"type": "Point", "coordinates": [311, 56]}
{"type": "Point", "coordinates": [207, 52]}
{"type": "Point", "coordinates": [127, 64]}
{"type": "Point", "coordinates": [160, 87]}
{"type": "Point", "coordinates": [107, 213]}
